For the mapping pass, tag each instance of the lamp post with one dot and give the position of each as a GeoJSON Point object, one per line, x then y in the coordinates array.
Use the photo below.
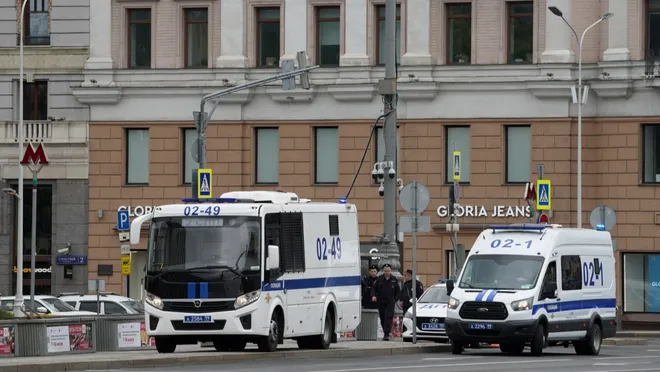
{"type": "Point", "coordinates": [605, 16]}
{"type": "Point", "coordinates": [18, 299]}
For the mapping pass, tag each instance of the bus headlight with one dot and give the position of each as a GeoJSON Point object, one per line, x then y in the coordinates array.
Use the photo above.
{"type": "Point", "coordinates": [521, 305]}
{"type": "Point", "coordinates": [153, 300]}
{"type": "Point", "coordinates": [246, 299]}
{"type": "Point", "coordinates": [453, 303]}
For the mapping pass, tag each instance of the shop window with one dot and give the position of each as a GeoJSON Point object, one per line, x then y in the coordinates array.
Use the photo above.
{"type": "Point", "coordinates": [380, 34]}
{"type": "Point", "coordinates": [571, 273]}
{"type": "Point", "coordinates": [268, 37]}
{"type": "Point", "coordinates": [139, 38]}
{"type": "Point", "coordinates": [197, 38]}
{"type": "Point", "coordinates": [267, 155]}
{"type": "Point", "coordinates": [651, 153]}
{"type": "Point", "coordinates": [189, 137]}
{"type": "Point", "coordinates": [326, 155]}
{"type": "Point", "coordinates": [459, 33]}
{"type": "Point", "coordinates": [518, 153]}
{"type": "Point", "coordinates": [328, 35]}
{"type": "Point", "coordinates": [521, 31]}
{"type": "Point", "coordinates": [37, 19]}
{"type": "Point", "coordinates": [641, 283]}
{"type": "Point", "coordinates": [458, 139]}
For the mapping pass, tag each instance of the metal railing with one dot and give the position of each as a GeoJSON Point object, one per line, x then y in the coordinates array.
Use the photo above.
{"type": "Point", "coordinates": [652, 65]}
{"type": "Point", "coordinates": [47, 131]}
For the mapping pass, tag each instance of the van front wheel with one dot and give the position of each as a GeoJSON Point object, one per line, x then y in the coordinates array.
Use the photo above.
{"type": "Point", "coordinates": [456, 347]}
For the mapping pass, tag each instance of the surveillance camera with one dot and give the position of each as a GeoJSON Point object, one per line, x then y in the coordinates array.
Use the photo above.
{"type": "Point", "coordinates": [374, 172]}
{"type": "Point", "coordinates": [93, 81]}
{"type": "Point", "coordinates": [391, 173]}
{"type": "Point", "coordinates": [380, 173]}
{"type": "Point", "coordinates": [381, 190]}
{"type": "Point", "coordinates": [63, 250]}
{"type": "Point", "coordinates": [386, 239]}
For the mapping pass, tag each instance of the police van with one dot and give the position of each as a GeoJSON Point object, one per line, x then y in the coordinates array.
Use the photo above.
{"type": "Point", "coordinates": [251, 267]}
{"type": "Point", "coordinates": [535, 285]}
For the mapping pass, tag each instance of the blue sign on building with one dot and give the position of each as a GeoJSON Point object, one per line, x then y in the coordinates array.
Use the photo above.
{"type": "Point", "coordinates": [653, 289]}
{"type": "Point", "coordinates": [123, 221]}
{"type": "Point", "coordinates": [71, 260]}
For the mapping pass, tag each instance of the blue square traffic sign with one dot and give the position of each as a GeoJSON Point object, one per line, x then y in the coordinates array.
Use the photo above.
{"type": "Point", "coordinates": [123, 221]}
{"type": "Point", "coordinates": [204, 185]}
{"type": "Point", "coordinates": [543, 195]}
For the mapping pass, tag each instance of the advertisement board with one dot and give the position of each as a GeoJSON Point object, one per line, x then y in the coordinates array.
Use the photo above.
{"type": "Point", "coordinates": [133, 335]}
{"type": "Point", "coordinates": [67, 338]}
{"type": "Point", "coordinates": [653, 280]}
{"type": "Point", "coordinates": [7, 341]}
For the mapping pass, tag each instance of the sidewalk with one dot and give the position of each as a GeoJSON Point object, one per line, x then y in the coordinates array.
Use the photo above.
{"type": "Point", "coordinates": [192, 355]}
{"type": "Point", "coordinates": [647, 334]}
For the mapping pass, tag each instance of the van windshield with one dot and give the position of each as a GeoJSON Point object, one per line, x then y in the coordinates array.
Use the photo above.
{"type": "Point", "coordinates": [512, 272]}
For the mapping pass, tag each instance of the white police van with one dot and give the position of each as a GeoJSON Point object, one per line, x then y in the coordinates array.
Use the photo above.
{"type": "Point", "coordinates": [251, 266]}
{"type": "Point", "coordinates": [535, 285]}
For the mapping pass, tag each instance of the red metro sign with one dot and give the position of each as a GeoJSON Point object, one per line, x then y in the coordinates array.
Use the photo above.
{"type": "Point", "coordinates": [34, 156]}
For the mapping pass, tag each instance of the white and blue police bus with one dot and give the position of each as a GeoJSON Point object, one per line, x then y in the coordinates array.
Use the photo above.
{"type": "Point", "coordinates": [251, 266]}
{"type": "Point", "coordinates": [536, 286]}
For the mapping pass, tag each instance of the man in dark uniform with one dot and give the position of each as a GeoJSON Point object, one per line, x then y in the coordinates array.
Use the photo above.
{"type": "Point", "coordinates": [385, 293]}
{"type": "Point", "coordinates": [407, 292]}
{"type": "Point", "coordinates": [367, 283]}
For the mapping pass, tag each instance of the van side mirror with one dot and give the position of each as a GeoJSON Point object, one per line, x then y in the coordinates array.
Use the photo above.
{"type": "Point", "coordinates": [549, 290]}
{"type": "Point", "coordinates": [450, 287]}
{"type": "Point", "coordinates": [273, 257]}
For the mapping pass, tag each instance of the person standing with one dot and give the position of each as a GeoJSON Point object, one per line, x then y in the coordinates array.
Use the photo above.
{"type": "Point", "coordinates": [407, 292]}
{"type": "Point", "coordinates": [368, 283]}
{"type": "Point", "coordinates": [385, 292]}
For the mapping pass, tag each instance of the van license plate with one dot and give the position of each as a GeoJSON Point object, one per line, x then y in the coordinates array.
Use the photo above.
{"type": "Point", "coordinates": [197, 319]}
{"type": "Point", "coordinates": [481, 326]}
{"type": "Point", "coordinates": [433, 326]}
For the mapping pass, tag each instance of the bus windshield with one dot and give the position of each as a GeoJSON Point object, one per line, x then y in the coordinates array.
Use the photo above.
{"type": "Point", "coordinates": [200, 243]}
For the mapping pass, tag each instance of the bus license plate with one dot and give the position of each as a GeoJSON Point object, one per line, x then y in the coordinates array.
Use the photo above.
{"type": "Point", "coordinates": [481, 326]}
{"type": "Point", "coordinates": [197, 319]}
{"type": "Point", "coordinates": [433, 326]}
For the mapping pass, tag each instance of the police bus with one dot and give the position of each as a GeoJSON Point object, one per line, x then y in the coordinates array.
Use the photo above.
{"type": "Point", "coordinates": [251, 266]}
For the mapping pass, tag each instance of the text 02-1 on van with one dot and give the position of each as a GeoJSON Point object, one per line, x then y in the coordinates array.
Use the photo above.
{"type": "Point", "coordinates": [537, 286]}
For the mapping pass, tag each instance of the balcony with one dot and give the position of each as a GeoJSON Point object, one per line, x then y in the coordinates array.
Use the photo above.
{"type": "Point", "coordinates": [33, 40]}
{"type": "Point", "coordinates": [652, 67]}
{"type": "Point", "coordinates": [46, 131]}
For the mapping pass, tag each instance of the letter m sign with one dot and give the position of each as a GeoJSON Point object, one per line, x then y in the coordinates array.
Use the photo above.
{"type": "Point", "coordinates": [34, 156]}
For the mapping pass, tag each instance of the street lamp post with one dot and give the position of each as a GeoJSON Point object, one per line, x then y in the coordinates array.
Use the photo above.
{"type": "Point", "coordinates": [605, 16]}
{"type": "Point", "coordinates": [18, 300]}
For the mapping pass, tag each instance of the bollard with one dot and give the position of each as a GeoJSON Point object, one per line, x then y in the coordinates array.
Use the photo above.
{"type": "Point", "coordinates": [367, 330]}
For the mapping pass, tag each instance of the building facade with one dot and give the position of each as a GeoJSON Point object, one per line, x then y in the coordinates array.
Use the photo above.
{"type": "Point", "coordinates": [489, 78]}
{"type": "Point", "coordinates": [56, 39]}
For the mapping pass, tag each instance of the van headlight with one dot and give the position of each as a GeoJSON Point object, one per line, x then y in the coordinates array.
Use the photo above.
{"type": "Point", "coordinates": [246, 299]}
{"type": "Point", "coordinates": [453, 303]}
{"type": "Point", "coordinates": [522, 305]}
{"type": "Point", "coordinates": [153, 300]}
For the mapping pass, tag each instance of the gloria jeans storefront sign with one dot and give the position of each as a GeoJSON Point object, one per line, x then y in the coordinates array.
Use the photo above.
{"type": "Point", "coordinates": [498, 211]}
{"type": "Point", "coordinates": [136, 210]}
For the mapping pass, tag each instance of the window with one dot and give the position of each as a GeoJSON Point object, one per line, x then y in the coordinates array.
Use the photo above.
{"type": "Point", "coordinates": [292, 258]}
{"type": "Point", "coordinates": [518, 153]}
{"type": "Point", "coordinates": [139, 38]}
{"type": "Point", "coordinates": [327, 35]}
{"type": "Point", "coordinates": [333, 225]}
{"type": "Point", "coordinates": [450, 262]}
{"type": "Point", "coordinates": [380, 34]}
{"type": "Point", "coordinates": [459, 33]}
{"type": "Point", "coordinates": [267, 155]}
{"type": "Point", "coordinates": [197, 38]}
{"type": "Point", "coordinates": [571, 273]}
{"type": "Point", "coordinates": [653, 29]}
{"type": "Point", "coordinates": [326, 155]}
{"type": "Point", "coordinates": [521, 31]}
{"type": "Point", "coordinates": [641, 283]}
{"type": "Point", "coordinates": [112, 308]}
{"type": "Point", "coordinates": [458, 139]}
{"type": "Point", "coordinates": [189, 137]}
{"type": "Point", "coordinates": [35, 100]}
{"type": "Point", "coordinates": [36, 31]}
{"type": "Point", "coordinates": [88, 306]}
{"type": "Point", "coordinates": [137, 156]}
{"type": "Point", "coordinates": [268, 37]}
{"type": "Point", "coordinates": [651, 156]}
{"type": "Point", "coordinates": [550, 273]}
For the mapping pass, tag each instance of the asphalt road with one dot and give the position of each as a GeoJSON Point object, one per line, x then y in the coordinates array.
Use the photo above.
{"type": "Point", "coordinates": [611, 359]}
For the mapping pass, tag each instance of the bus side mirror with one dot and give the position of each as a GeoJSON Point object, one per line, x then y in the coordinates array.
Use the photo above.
{"type": "Point", "coordinates": [450, 287]}
{"type": "Point", "coordinates": [273, 257]}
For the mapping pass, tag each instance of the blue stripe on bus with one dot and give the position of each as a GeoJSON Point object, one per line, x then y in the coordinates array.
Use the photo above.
{"type": "Point", "coordinates": [191, 290]}
{"type": "Point", "coordinates": [309, 283]}
{"type": "Point", "coordinates": [204, 290]}
{"type": "Point", "coordinates": [576, 305]}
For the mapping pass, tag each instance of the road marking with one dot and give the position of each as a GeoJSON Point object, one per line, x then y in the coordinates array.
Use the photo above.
{"type": "Point", "coordinates": [626, 357]}
{"type": "Point", "coordinates": [626, 370]}
{"type": "Point", "coordinates": [620, 364]}
{"type": "Point", "coordinates": [445, 365]}
{"type": "Point", "coordinates": [431, 359]}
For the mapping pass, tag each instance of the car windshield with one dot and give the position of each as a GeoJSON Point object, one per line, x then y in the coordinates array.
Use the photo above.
{"type": "Point", "coordinates": [434, 295]}
{"type": "Point", "coordinates": [501, 272]}
{"type": "Point", "coordinates": [198, 243]}
{"type": "Point", "coordinates": [57, 305]}
{"type": "Point", "coordinates": [135, 306]}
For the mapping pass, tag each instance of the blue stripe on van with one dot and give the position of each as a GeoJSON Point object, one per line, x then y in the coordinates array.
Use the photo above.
{"type": "Point", "coordinates": [491, 295]}
{"type": "Point", "coordinates": [481, 295]}
{"type": "Point", "coordinates": [191, 290]}
{"type": "Point", "coordinates": [576, 305]}
{"type": "Point", "coordinates": [204, 290]}
{"type": "Point", "coordinates": [309, 283]}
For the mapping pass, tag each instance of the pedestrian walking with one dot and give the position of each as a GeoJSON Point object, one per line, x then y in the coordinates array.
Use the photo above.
{"type": "Point", "coordinates": [385, 293]}
{"type": "Point", "coordinates": [368, 283]}
{"type": "Point", "coordinates": [407, 292]}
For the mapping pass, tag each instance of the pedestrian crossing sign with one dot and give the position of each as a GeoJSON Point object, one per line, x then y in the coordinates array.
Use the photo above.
{"type": "Point", "coordinates": [543, 195]}
{"type": "Point", "coordinates": [204, 184]}
{"type": "Point", "coordinates": [456, 165]}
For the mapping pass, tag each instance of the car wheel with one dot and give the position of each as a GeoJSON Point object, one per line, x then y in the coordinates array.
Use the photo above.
{"type": "Point", "coordinates": [538, 342]}
{"type": "Point", "coordinates": [456, 347]}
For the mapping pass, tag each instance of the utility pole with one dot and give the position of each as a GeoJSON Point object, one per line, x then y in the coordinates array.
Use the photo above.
{"type": "Point", "coordinates": [390, 248]}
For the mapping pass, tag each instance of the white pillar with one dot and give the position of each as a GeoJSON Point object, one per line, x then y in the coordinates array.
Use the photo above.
{"type": "Point", "coordinates": [100, 31]}
{"type": "Point", "coordinates": [355, 50]}
{"type": "Point", "coordinates": [418, 24]}
{"type": "Point", "coordinates": [617, 33]}
{"type": "Point", "coordinates": [558, 36]}
{"type": "Point", "coordinates": [232, 35]}
{"type": "Point", "coordinates": [295, 28]}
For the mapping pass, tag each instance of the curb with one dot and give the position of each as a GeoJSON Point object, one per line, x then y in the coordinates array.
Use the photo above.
{"type": "Point", "coordinates": [158, 360]}
{"type": "Point", "coordinates": [646, 334]}
{"type": "Point", "coordinates": [625, 341]}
